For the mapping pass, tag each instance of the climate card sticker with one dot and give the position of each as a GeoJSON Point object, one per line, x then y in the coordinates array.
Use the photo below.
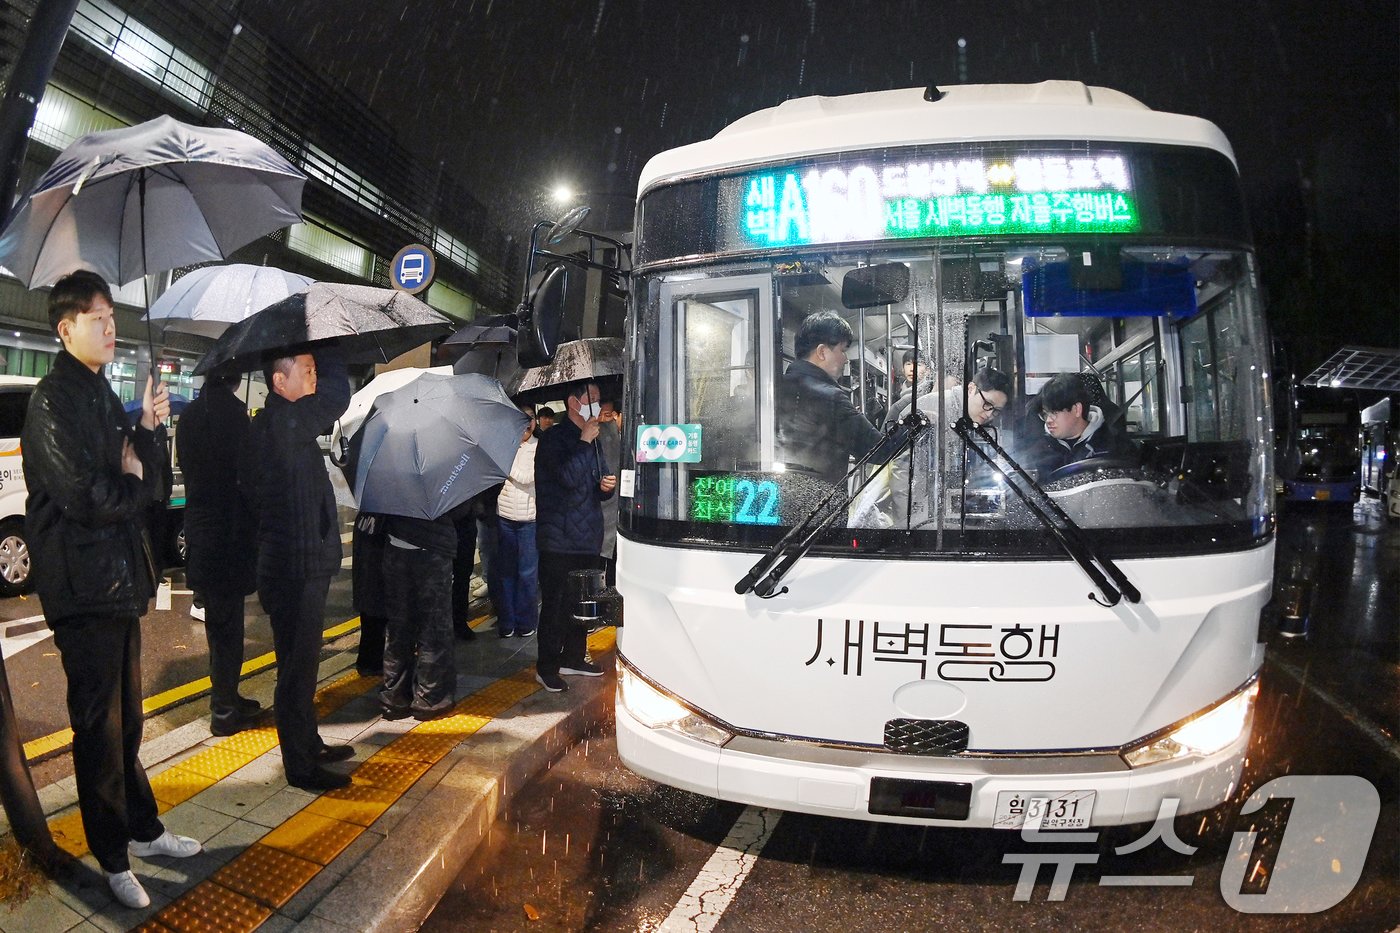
{"type": "Point", "coordinates": [668, 443]}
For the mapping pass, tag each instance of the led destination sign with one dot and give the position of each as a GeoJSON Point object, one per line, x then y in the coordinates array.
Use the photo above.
{"type": "Point", "coordinates": [870, 200]}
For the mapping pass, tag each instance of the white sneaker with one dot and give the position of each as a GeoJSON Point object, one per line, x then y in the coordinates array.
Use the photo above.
{"type": "Point", "coordinates": [167, 843]}
{"type": "Point", "coordinates": [197, 612]}
{"type": "Point", "coordinates": [127, 890]}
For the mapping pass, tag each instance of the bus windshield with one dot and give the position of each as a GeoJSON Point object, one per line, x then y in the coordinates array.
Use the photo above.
{"type": "Point", "coordinates": [1128, 381]}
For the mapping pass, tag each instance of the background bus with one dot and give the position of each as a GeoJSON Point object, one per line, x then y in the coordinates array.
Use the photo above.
{"type": "Point", "coordinates": [1328, 426]}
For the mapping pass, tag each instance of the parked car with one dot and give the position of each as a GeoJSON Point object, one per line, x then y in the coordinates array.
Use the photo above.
{"type": "Point", "coordinates": [15, 569]}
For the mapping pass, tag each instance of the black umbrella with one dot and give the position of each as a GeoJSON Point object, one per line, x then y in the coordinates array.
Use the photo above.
{"type": "Point", "coordinates": [432, 444]}
{"type": "Point", "coordinates": [495, 331]}
{"type": "Point", "coordinates": [368, 324]}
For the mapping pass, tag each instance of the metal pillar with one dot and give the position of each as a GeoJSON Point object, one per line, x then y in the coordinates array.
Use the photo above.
{"type": "Point", "coordinates": [17, 108]}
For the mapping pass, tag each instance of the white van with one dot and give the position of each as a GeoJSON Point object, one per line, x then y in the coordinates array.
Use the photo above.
{"type": "Point", "coordinates": [14, 548]}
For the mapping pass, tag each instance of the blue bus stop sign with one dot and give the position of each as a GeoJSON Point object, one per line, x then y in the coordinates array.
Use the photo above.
{"type": "Point", "coordinates": [412, 269]}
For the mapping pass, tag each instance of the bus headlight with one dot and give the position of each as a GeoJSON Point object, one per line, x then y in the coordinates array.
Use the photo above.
{"type": "Point", "coordinates": [1207, 734]}
{"type": "Point", "coordinates": [657, 710]}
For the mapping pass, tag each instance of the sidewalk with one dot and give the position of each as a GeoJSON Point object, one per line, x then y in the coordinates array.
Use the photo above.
{"type": "Point", "coordinates": [376, 855]}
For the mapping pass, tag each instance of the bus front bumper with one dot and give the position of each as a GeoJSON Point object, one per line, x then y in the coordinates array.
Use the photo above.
{"type": "Point", "coordinates": [809, 778]}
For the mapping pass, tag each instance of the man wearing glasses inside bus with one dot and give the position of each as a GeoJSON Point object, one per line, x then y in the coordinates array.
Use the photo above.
{"type": "Point", "coordinates": [1075, 428]}
{"type": "Point", "coordinates": [819, 428]}
{"type": "Point", "coordinates": [987, 396]}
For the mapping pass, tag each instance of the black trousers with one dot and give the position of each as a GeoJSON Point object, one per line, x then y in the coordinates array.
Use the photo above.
{"type": "Point", "coordinates": [420, 668]}
{"type": "Point", "coordinates": [562, 642]}
{"type": "Point", "coordinates": [295, 608]}
{"type": "Point", "coordinates": [223, 628]}
{"type": "Point", "coordinates": [102, 659]}
{"type": "Point", "coordinates": [462, 565]}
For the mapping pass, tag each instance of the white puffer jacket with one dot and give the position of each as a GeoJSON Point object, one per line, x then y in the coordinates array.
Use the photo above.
{"type": "Point", "coordinates": [517, 499]}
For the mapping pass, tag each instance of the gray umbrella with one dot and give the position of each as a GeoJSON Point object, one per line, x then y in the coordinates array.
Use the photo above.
{"type": "Point", "coordinates": [431, 445]}
{"type": "Point", "coordinates": [586, 360]}
{"type": "Point", "coordinates": [368, 324]}
{"type": "Point", "coordinates": [206, 301]}
{"type": "Point", "coordinates": [147, 198]}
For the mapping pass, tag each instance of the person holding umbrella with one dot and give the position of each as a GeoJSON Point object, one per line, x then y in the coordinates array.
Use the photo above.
{"type": "Point", "coordinates": [423, 458]}
{"type": "Point", "coordinates": [569, 490]}
{"type": "Point", "coordinates": [282, 475]}
{"type": "Point", "coordinates": [220, 562]}
{"type": "Point", "coordinates": [91, 477]}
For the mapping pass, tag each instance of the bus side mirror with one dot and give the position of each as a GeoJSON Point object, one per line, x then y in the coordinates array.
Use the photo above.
{"type": "Point", "coordinates": [872, 286]}
{"type": "Point", "coordinates": [541, 316]}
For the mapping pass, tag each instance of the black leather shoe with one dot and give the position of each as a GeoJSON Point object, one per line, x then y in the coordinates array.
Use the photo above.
{"type": "Point", "coordinates": [248, 706]}
{"type": "Point", "coordinates": [393, 713]}
{"type": "Point", "coordinates": [329, 753]}
{"type": "Point", "coordinates": [319, 779]}
{"type": "Point", "coordinates": [222, 727]}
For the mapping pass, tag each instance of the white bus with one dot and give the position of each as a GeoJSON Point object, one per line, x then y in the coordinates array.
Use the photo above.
{"type": "Point", "coordinates": [975, 638]}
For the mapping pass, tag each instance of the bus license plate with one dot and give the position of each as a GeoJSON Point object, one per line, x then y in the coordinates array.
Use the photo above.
{"type": "Point", "coordinates": [1070, 810]}
{"type": "Point", "coordinates": [1322, 494]}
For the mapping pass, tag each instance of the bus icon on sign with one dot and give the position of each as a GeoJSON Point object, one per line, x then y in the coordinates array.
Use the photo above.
{"type": "Point", "coordinates": [412, 269]}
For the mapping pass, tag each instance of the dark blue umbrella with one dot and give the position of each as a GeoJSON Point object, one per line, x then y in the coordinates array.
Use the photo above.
{"type": "Point", "coordinates": [133, 407]}
{"type": "Point", "coordinates": [431, 445]}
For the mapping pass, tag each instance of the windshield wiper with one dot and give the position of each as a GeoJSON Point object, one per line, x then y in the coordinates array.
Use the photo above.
{"type": "Point", "coordinates": [1102, 571]}
{"type": "Point", "coordinates": [765, 575]}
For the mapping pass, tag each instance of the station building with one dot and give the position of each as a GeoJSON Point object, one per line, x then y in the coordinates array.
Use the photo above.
{"type": "Point", "coordinates": [126, 61]}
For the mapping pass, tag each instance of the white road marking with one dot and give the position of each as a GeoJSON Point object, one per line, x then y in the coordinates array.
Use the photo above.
{"type": "Point", "coordinates": [1363, 723]}
{"type": "Point", "coordinates": [11, 645]}
{"type": "Point", "coordinates": [699, 910]}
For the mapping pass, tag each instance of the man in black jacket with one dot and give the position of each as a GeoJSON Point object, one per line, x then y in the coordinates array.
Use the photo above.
{"type": "Point", "coordinates": [818, 428]}
{"type": "Point", "coordinates": [283, 477]}
{"type": "Point", "coordinates": [219, 565]}
{"type": "Point", "coordinates": [91, 478]}
{"type": "Point", "coordinates": [570, 486]}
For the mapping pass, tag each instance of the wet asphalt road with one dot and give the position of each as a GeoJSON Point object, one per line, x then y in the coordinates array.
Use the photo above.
{"type": "Point", "coordinates": [591, 846]}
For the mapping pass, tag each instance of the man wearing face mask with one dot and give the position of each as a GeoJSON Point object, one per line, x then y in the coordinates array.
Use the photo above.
{"type": "Point", "coordinates": [570, 486]}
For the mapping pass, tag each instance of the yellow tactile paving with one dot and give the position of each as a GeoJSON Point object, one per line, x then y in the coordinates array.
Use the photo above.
{"type": "Point", "coordinates": [362, 812]}
{"type": "Point", "coordinates": [274, 869]}
{"type": "Point", "coordinates": [461, 724]}
{"type": "Point", "coordinates": [175, 785]}
{"type": "Point", "coordinates": [217, 762]}
{"type": "Point", "coordinates": [206, 768]}
{"type": "Point", "coordinates": [253, 742]}
{"type": "Point", "coordinates": [267, 875]}
{"type": "Point", "coordinates": [392, 774]}
{"type": "Point", "coordinates": [416, 746]}
{"type": "Point", "coordinates": [313, 837]}
{"type": "Point", "coordinates": [68, 835]}
{"type": "Point", "coordinates": [213, 908]}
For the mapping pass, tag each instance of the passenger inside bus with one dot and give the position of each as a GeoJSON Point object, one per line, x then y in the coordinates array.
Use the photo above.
{"type": "Point", "coordinates": [987, 396]}
{"type": "Point", "coordinates": [818, 427]}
